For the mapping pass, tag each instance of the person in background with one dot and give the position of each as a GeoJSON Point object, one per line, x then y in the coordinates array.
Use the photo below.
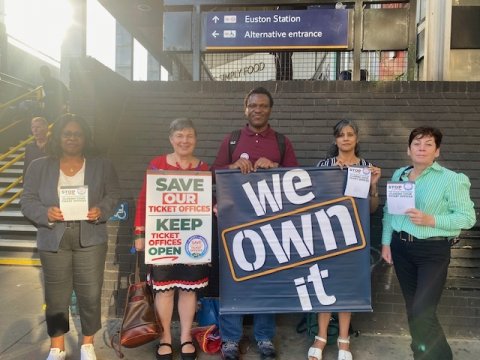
{"type": "Point", "coordinates": [72, 253]}
{"type": "Point", "coordinates": [56, 95]}
{"type": "Point", "coordinates": [165, 280]}
{"type": "Point", "coordinates": [257, 147]}
{"type": "Point", "coordinates": [37, 148]}
{"type": "Point", "coordinates": [343, 153]}
{"type": "Point", "coordinates": [418, 242]}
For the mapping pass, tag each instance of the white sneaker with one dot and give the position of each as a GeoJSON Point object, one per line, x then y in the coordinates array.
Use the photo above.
{"type": "Point", "coordinates": [56, 354]}
{"type": "Point", "coordinates": [87, 352]}
{"type": "Point", "coordinates": [344, 355]}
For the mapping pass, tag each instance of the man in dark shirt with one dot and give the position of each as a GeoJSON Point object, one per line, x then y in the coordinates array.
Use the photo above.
{"type": "Point", "coordinates": [55, 99]}
{"type": "Point", "coordinates": [256, 148]}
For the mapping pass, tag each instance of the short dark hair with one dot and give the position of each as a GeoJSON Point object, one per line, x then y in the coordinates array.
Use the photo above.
{"type": "Point", "coordinates": [423, 131]}
{"type": "Point", "coordinates": [259, 90]}
{"type": "Point", "coordinates": [54, 147]}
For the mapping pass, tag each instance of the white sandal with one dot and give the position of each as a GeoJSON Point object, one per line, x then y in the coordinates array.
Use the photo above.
{"type": "Point", "coordinates": [344, 354]}
{"type": "Point", "coordinates": [316, 352]}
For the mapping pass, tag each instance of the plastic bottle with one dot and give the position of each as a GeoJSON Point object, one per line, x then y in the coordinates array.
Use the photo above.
{"type": "Point", "coordinates": [73, 304]}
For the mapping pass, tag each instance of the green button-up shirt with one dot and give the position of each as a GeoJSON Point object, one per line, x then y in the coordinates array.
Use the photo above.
{"type": "Point", "coordinates": [439, 192]}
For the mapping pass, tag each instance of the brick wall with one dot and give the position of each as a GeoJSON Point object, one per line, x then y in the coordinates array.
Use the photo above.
{"type": "Point", "coordinates": [306, 112]}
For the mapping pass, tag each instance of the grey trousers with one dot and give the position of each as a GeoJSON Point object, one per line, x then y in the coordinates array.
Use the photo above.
{"type": "Point", "coordinates": [73, 268]}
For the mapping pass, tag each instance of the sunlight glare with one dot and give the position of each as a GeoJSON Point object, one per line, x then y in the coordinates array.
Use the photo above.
{"type": "Point", "coordinates": [42, 25]}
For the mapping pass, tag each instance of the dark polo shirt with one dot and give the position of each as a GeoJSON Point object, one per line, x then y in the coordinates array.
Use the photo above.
{"type": "Point", "coordinates": [253, 146]}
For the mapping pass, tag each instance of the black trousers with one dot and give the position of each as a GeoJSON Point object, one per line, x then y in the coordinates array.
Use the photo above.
{"type": "Point", "coordinates": [77, 268]}
{"type": "Point", "coordinates": [421, 268]}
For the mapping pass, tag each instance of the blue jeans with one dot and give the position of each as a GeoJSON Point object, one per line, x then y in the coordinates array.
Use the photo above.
{"type": "Point", "coordinates": [231, 327]}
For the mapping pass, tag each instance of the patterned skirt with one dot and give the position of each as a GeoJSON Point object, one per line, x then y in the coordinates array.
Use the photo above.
{"type": "Point", "coordinates": [178, 276]}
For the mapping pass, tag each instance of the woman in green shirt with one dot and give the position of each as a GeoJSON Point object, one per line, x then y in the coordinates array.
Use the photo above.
{"type": "Point", "coordinates": [418, 242]}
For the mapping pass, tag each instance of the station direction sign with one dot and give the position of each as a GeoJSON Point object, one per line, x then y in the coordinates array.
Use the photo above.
{"type": "Point", "coordinates": [275, 30]}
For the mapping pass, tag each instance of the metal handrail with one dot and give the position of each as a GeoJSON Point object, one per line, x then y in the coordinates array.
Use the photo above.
{"type": "Point", "coordinates": [13, 184]}
{"type": "Point", "coordinates": [9, 201]}
{"type": "Point", "coordinates": [10, 126]}
{"type": "Point", "coordinates": [14, 149]}
{"type": "Point", "coordinates": [11, 162]}
{"type": "Point", "coordinates": [37, 91]}
{"type": "Point", "coordinates": [12, 80]}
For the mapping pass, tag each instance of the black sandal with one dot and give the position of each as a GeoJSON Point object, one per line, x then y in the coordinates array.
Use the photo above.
{"type": "Point", "coordinates": [190, 355]}
{"type": "Point", "coordinates": [164, 356]}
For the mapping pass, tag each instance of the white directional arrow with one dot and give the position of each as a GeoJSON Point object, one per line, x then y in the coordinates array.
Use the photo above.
{"type": "Point", "coordinates": [215, 19]}
{"type": "Point", "coordinates": [215, 34]}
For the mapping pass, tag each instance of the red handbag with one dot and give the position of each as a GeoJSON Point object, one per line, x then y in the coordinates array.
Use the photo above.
{"type": "Point", "coordinates": [208, 338]}
{"type": "Point", "coordinates": [139, 324]}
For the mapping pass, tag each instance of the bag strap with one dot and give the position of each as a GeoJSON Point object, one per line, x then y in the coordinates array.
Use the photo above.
{"type": "Point", "coordinates": [115, 339]}
{"type": "Point", "coordinates": [115, 344]}
{"type": "Point", "coordinates": [232, 144]}
{"type": "Point", "coordinates": [404, 172]}
{"type": "Point", "coordinates": [281, 146]}
{"type": "Point", "coordinates": [137, 268]}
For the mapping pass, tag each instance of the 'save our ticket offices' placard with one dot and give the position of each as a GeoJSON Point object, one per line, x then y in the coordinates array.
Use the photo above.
{"type": "Point", "coordinates": [178, 225]}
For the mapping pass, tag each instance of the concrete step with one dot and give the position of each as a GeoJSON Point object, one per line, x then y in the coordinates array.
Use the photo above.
{"type": "Point", "coordinates": [14, 202]}
{"type": "Point", "coordinates": [11, 213]}
{"type": "Point", "coordinates": [24, 228]}
{"type": "Point", "coordinates": [18, 243]}
{"type": "Point", "coordinates": [13, 170]}
{"type": "Point", "coordinates": [19, 252]}
{"type": "Point", "coordinates": [8, 179]}
{"type": "Point", "coordinates": [18, 163]}
{"type": "Point", "coordinates": [12, 190]}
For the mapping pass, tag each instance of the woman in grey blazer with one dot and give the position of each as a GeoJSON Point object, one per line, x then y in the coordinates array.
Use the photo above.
{"type": "Point", "coordinates": [72, 252]}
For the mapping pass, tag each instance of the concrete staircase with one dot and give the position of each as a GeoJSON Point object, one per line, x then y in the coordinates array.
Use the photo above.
{"type": "Point", "coordinates": [17, 235]}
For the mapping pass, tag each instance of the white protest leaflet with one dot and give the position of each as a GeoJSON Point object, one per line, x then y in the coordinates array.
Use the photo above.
{"type": "Point", "coordinates": [358, 182]}
{"type": "Point", "coordinates": [74, 202]}
{"type": "Point", "coordinates": [400, 196]}
{"type": "Point", "coordinates": [178, 224]}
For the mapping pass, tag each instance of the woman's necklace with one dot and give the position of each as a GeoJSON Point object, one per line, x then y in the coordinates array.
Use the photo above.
{"type": "Point", "coordinates": [182, 168]}
{"type": "Point", "coordinates": [72, 167]}
{"type": "Point", "coordinates": [350, 161]}
{"type": "Point", "coordinates": [178, 163]}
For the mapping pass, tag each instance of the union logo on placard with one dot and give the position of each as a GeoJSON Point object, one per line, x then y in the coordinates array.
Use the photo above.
{"type": "Point", "coordinates": [196, 246]}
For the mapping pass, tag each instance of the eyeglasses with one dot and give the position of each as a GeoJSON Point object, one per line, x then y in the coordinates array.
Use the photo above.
{"type": "Point", "coordinates": [258, 106]}
{"type": "Point", "coordinates": [72, 134]}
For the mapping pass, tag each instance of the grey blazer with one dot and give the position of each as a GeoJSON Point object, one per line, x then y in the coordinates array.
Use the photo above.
{"type": "Point", "coordinates": [40, 192]}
